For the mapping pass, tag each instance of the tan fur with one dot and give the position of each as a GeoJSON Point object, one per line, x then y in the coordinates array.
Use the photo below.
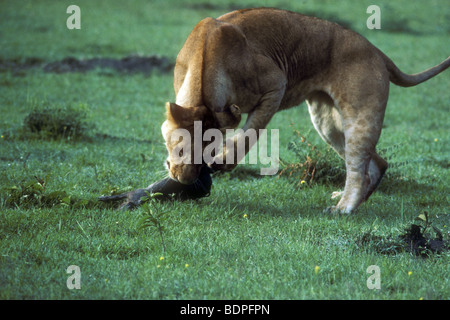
{"type": "Point", "coordinates": [260, 61]}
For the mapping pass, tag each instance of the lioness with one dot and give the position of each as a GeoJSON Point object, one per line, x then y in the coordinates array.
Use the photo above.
{"type": "Point", "coordinates": [260, 61]}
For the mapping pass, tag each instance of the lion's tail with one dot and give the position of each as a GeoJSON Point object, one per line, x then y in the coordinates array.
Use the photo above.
{"type": "Point", "coordinates": [408, 80]}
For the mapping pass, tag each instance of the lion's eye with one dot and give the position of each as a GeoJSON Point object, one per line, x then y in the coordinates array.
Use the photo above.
{"type": "Point", "coordinates": [180, 154]}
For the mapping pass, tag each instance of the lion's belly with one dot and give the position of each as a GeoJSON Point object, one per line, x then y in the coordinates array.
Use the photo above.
{"type": "Point", "coordinates": [297, 94]}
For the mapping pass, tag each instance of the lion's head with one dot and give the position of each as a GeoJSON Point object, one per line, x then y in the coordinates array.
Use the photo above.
{"type": "Point", "coordinates": [185, 158]}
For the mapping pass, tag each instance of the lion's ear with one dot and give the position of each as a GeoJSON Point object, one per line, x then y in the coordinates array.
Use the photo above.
{"type": "Point", "coordinates": [185, 116]}
{"type": "Point", "coordinates": [230, 117]}
{"type": "Point", "coordinates": [235, 111]}
{"type": "Point", "coordinates": [174, 112]}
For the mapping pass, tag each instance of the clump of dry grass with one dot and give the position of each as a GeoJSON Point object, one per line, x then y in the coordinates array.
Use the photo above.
{"type": "Point", "coordinates": [315, 164]}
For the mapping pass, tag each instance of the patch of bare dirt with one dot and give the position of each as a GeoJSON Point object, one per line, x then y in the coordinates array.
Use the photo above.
{"type": "Point", "coordinates": [127, 65]}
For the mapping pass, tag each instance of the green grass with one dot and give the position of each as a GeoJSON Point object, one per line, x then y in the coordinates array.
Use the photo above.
{"type": "Point", "coordinates": [254, 237]}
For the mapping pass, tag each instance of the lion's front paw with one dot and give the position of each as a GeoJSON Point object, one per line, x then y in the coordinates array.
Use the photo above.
{"type": "Point", "coordinates": [335, 210]}
{"type": "Point", "coordinates": [330, 210]}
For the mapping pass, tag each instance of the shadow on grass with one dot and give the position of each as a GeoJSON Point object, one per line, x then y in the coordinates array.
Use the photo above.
{"type": "Point", "coordinates": [32, 193]}
{"type": "Point", "coordinates": [421, 194]}
{"type": "Point", "coordinates": [423, 240]}
{"type": "Point", "coordinates": [240, 173]}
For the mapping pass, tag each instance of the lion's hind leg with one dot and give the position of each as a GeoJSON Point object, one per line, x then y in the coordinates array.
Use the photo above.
{"type": "Point", "coordinates": [362, 118]}
{"type": "Point", "coordinates": [377, 168]}
{"type": "Point", "coordinates": [353, 135]}
{"type": "Point", "coordinates": [327, 120]}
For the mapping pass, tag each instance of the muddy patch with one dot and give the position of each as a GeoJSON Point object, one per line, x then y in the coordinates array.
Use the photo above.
{"type": "Point", "coordinates": [423, 239]}
{"type": "Point", "coordinates": [126, 65]}
{"type": "Point", "coordinates": [18, 65]}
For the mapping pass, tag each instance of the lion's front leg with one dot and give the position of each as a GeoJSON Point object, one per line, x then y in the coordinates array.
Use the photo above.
{"type": "Point", "coordinates": [236, 147]}
{"type": "Point", "coordinates": [234, 150]}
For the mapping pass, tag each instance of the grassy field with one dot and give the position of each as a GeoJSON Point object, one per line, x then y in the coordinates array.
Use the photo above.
{"type": "Point", "coordinates": [254, 237]}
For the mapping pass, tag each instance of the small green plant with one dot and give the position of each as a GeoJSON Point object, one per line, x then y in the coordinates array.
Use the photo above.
{"type": "Point", "coordinates": [151, 216]}
{"type": "Point", "coordinates": [34, 193]}
{"type": "Point", "coordinates": [420, 242]}
{"type": "Point", "coordinates": [416, 240]}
